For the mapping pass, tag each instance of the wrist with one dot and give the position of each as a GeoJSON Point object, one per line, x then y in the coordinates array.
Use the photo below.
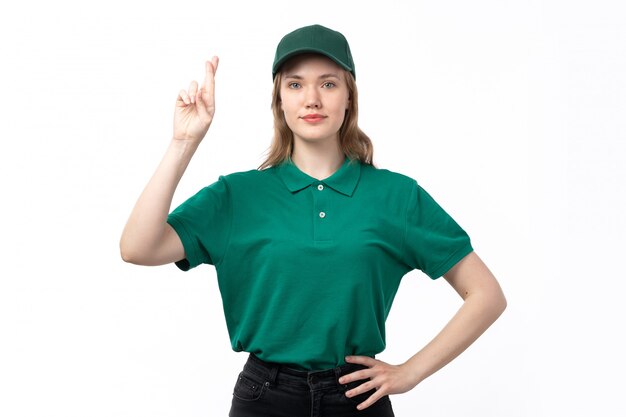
{"type": "Point", "coordinates": [191, 135]}
{"type": "Point", "coordinates": [414, 370]}
{"type": "Point", "coordinates": [183, 148]}
{"type": "Point", "coordinates": [184, 143]}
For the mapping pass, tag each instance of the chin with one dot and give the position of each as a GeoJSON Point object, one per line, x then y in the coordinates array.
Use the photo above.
{"type": "Point", "coordinates": [315, 138]}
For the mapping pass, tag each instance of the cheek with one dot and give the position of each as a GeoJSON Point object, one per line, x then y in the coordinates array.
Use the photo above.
{"type": "Point", "coordinates": [288, 110]}
{"type": "Point", "coordinates": [288, 115]}
{"type": "Point", "coordinates": [341, 111]}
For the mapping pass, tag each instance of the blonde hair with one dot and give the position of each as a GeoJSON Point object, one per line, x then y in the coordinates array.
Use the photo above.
{"type": "Point", "coordinates": [354, 143]}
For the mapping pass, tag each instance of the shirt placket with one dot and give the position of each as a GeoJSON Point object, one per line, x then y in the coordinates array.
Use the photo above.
{"type": "Point", "coordinates": [322, 212]}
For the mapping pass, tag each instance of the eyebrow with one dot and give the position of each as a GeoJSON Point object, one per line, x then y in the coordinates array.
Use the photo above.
{"type": "Point", "coordinates": [329, 75]}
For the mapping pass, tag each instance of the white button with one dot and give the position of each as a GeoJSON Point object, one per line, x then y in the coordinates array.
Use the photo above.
{"type": "Point", "coordinates": [320, 187]}
{"type": "Point", "coordinates": [322, 214]}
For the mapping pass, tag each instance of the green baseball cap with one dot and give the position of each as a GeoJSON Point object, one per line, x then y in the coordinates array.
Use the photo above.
{"type": "Point", "coordinates": [318, 39]}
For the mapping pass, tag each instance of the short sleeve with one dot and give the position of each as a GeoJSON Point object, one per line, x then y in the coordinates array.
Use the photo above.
{"type": "Point", "coordinates": [433, 242]}
{"type": "Point", "coordinates": [203, 224]}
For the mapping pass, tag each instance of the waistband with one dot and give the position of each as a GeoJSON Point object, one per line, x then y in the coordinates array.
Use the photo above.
{"type": "Point", "coordinates": [277, 373]}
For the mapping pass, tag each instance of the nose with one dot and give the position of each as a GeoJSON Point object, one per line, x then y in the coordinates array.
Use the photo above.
{"type": "Point", "coordinates": [313, 98]}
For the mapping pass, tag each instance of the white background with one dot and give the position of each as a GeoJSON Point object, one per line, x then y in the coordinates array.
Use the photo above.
{"type": "Point", "coordinates": [511, 114]}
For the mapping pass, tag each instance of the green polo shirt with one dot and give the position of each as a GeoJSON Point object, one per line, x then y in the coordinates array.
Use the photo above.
{"type": "Point", "coordinates": [308, 269]}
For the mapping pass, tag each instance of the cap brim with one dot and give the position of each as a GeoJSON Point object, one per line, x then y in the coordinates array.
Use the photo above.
{"type": "Point", "coordinates": [299, 51]}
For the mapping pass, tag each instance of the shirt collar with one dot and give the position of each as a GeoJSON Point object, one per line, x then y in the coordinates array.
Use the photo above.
{"type": "Point", "coordinates": [344, 180]}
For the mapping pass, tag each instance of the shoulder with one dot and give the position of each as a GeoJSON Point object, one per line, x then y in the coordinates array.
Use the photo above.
{"type": "Point", "coordinates": [387, 177]}
{"type": "Point", "coordinates": [248, 178]}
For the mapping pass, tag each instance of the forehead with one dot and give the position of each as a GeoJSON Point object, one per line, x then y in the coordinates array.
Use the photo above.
{"type": "Point", "coordinates": [310, 63]}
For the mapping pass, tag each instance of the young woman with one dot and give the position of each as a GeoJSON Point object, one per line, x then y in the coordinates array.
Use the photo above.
{"type": "Point", "coordinates": [310, 247]}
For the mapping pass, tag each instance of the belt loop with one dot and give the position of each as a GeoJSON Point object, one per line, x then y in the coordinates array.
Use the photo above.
{"type": "Point", "coordinates": [272, 373]}
{"type": "Point", "coordinates": [338, 374]}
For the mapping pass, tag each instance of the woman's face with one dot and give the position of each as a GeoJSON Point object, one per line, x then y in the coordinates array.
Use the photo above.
{"type": "Point", "coordinates": [313, 84]}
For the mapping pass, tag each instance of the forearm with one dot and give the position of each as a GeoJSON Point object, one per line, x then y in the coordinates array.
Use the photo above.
{"type": "Point", "coordinates": [147, 220]}
{"type": "Point", "coordinates": [476, 314]}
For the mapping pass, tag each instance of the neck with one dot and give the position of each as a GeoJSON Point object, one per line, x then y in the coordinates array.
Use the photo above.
{"type": "Point", "coordinates": [316, 161]}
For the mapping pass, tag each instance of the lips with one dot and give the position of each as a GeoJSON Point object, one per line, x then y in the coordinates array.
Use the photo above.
{"type": "Point", "coordinates": [313, 117]}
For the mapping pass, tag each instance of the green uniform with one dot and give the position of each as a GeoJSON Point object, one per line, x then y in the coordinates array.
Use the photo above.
{"type": "Point", "coordinates": [308, 269]}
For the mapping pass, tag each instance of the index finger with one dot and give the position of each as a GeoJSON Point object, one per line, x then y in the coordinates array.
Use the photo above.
{"type": "Point", "coordinates": [354, 376]}
{"type": "Point", "coordinates": [361, 359]}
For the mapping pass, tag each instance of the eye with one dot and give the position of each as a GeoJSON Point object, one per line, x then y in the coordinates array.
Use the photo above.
{"type": "Point", "coordinates": [331, 83]}
{"type": "Point", "coordinates": [292, 83]}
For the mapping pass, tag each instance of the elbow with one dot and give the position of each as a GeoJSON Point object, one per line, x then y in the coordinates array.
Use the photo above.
{"type": "Point", "coordinates": [497, 300]}
{"type": "Point", "coordinates": [126, 257]}
{"type": "Point", "coordinates": [137, 255]}
{"type": "Point", "coordinates": [499, 303]}
{"type": "Point", "coordinates": [133, 258]}
{"type": "Point", "coordinates": [492, 305]}
{"type": "Point", "coordinates": [492, 301]}
{"type": "Point", "coordinates": [127, 254]}
{"type": "Point", "coordinates": [502, 304]}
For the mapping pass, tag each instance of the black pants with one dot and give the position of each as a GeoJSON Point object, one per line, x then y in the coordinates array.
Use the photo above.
{"type": "Point", "coordinates": [267, 389]}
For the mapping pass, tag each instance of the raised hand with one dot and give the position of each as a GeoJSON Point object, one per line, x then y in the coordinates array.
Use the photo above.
{"type": "Point", "coordinates": [195, 108]}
